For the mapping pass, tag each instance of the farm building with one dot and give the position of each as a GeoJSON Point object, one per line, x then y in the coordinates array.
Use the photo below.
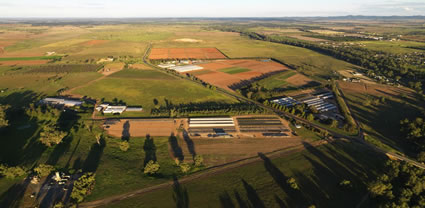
{"type": "Point", "coordinates": [286, 101]}
{"type": "Point", "coordinates": [212, 127]}
{"type": "Point", "coordinates": [166, 66]}
{"type": "Point", "coordinates": [134, 108]}
{"type": "Point", "coordinates": [115, 109]}
{"type": "Point", "coordinates": [186, 68]}
{"type": "Point", "coordinates": [61, 101]}
{"type": "Point", "coordinates": [319, 102]}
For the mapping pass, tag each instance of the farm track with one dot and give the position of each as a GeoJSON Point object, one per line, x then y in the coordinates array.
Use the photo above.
{"type": "Point", "coordinates": [202, 174]}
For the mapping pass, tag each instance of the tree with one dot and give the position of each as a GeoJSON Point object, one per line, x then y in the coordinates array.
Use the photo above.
{"type": "Point", "coordinates": [151, 168]}
{"type": "Point", "coordinates": [50, 136]}
{"type": "Point", "coordinates": [11, 172]}
{"type": "Point", "coordinates": [124, 146]}
{"type": "Point", "coordinates": [184, 167]}
{"type": "Point", "coordinates": [83, 187]}
{"type": "Point", "coordinates": [310, 117]}
{"type": "Point", "coordinates": [292, 183]}
{"type": "Point", "coordinates": [334, 123]}
{"type": "Point", "coordinates": [43, 170]}
{"type": "Point", "coordinates": [3, 121]}
{"type": "Point", "coordinates": [198, 160]}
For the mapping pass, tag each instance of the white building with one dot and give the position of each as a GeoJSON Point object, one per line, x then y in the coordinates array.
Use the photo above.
{"type": "Point", "coordinates": [115, 109]}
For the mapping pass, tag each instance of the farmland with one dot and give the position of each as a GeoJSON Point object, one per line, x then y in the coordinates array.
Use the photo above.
{"type": "Point", "coordinates": [116, 64]}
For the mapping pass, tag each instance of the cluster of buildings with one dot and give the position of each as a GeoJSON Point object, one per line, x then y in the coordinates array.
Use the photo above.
{"type": "Point", "coordinates": [182, 68]}
{"type": "Point", "coordinates": [318, 101]}
{"type": "Point", "coordinates": [117, 109]}
{"type": "Point", "coordinates": [61, 102]}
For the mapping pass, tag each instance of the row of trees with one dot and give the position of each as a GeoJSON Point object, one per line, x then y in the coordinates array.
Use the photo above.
{"type": "Point", "coordinates": [414, 132]}
{"type": "Point", "coordinates": [206, 108]}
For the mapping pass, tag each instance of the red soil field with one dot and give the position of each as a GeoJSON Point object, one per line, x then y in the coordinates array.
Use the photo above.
{"type": "Point", "coordinates": [298, 80]}
{"type": "Point", "coordinates": [224, 80]}
{"type": "Point", "coordinates": [186, 53]}
{"type": "Point", "coordinates": [143, 127]}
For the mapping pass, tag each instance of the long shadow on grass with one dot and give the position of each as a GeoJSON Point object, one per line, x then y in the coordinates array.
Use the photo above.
{"type": "Point", "coordinates": [13, 196]}
{"type": "Point", "coordinates": [59, 150]}
{"type": "Point", "coordinates": [150, 150]}
{"type": "Point", "coordinates": [180, 195]}
{"type": "Point", "coordinates": [18, 143]}
{"type": "Point", "coordinates": [252, 195]}
{"type": "Point", "coordinates": [125, 136]}
{"type": "Point", "coordinates": [242, 203]}
{"type": "Point", "coordinates": [190, 144]}
{"type": "Point", "coordinates": [175, 147]}
{"type": "Point", "coordinates": [93, 158]}
{"type": "Point", "coordinates": [226, 200]}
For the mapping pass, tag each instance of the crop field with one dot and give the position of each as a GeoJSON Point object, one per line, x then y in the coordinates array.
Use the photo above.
{"type": "Point", "coordinates": [226, 73]}
{"type": "Point", "coordinates": [143, 127]}
{"type": "Point", "coordinates": [185, 53]}
{"type": "Point", "coordinates": [276, 81]}
{"type": "Point", "coordinates": [393, 46]}
{"type": "Point", "coordinates": [234, 70]}
{"type": "Point", "coordinates": [141, 87]}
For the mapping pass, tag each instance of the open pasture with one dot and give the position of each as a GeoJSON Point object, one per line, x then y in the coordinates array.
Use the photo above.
{"type": "Point", "coordinates": [142, 87]}
{"type": "Point", "coordinates": [186, 53]}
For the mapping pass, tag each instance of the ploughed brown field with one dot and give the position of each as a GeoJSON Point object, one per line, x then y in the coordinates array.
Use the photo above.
{"type": "Point", "coordinates": [212, 74]}
{"type": "Point", "coordinates": [186, 53]}
{"type": "Point", "coordinates": [141, 128]}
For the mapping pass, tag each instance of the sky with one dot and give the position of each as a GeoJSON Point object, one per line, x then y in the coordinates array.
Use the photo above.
{"type": "Point", "coordinates": [210, 8]}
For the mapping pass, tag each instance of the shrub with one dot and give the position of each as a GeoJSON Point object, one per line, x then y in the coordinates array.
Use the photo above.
{"type": "Point", "coordinates": [83, 187]}
{"type": "Point", "coordinates": [184, 167]}
{"type": "Point", "coordinates": [151, 168]}
{"type": "Point", "coordinates": [292, 183]}
{"type": "Point", "coordinates": [51, 136]}
{"type": "Point", "coordinates": [124, 146]}
{"type": "Point", "coordinates": [198, 160]}
{"type": "Point", "coordinates": [11, 172]}
{"type": "Point", "coordinates": [44, 170]}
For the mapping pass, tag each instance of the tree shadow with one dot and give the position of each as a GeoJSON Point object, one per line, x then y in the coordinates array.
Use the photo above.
{"type": "Point", "coordinates": [180, 195]}
{"type": "Point", "coordinates": [226, 200]}
{"type": "Point", "coordinates": [13, 196]}
{"type": "Point", "coordinates": [190, 144]}
{"type": "Point", "coordinates": [60, 149]}
{"type": "Point", "coordinates": [279, 202]}
{"type": "Point", "coordinates": [93, 158]}
{"type": "Point", "coordinates": [294, 196]}
{"type": "Point", "coordinates": [175, 147]}
{"type": "Point", "coordinates": [150, 149]}
{"type": "Point", "coordinates": [242, 203]}
{"type": "Point", "coordinates": [77, 164]}
{"type": "Point", "coordinates": [252, 195]}
{"type": "Point", "coordinates": [125, 131]}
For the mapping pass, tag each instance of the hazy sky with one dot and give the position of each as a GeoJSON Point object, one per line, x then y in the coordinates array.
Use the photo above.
{"type": "Point", "coordinates": [211, 8]}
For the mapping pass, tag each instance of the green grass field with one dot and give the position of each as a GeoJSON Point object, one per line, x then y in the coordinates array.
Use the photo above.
{"type": "Point", "coordinates": [393, 46]}
{"type": "Point", "coordinates": [141, 74]}
{"type": "Point", "coordinates": [234, 70]}
{"type": "Point", "coordinates": [317, 171]}
{"type": "Point", "coordinates": [382, 122]}
{"type": "Point", "coordinates": [276, 81]}
{"type": "Point", "coordinates": [147, 85]}
{"type": "Point", "coordinates": [29, 58]}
